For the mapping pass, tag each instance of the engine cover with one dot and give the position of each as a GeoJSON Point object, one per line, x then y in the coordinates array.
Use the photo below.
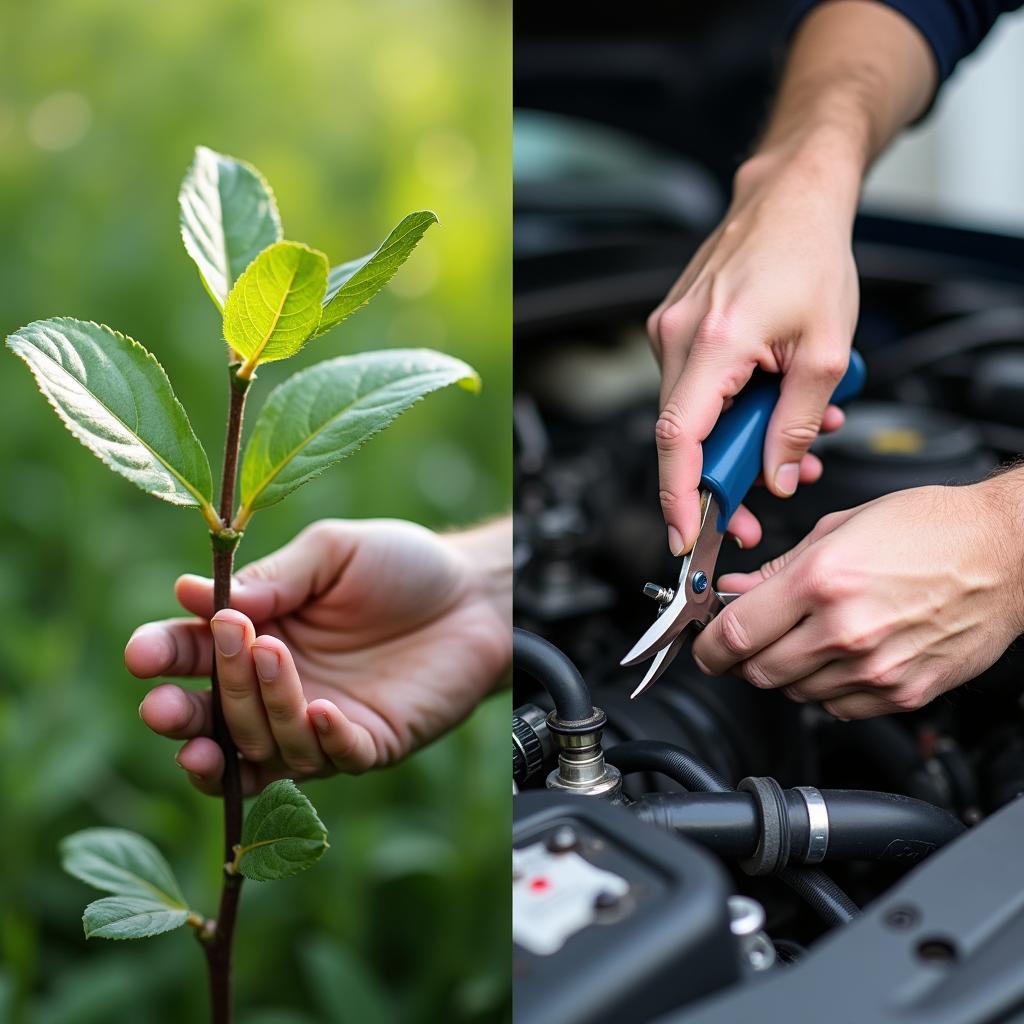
{"type": "Point", "coordinates": [612, 919]}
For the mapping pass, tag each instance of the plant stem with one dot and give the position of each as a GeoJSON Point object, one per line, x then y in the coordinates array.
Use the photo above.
{"type": "Point", "coordinates": [219, 947]}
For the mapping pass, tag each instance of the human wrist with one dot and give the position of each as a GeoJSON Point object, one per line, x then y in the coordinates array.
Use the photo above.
{"type": "Point", "coordinates": [819, 158]}
{"type": "Point", "coordinates": [487, 552]}
{"type": "Point", "coordinates": [1001, 497]}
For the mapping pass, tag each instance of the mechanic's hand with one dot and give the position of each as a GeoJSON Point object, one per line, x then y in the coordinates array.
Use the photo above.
{"type": "Point", "coordinates": [775, 286]}
{"type": "Point", "coordinates": [880, 608]}
{"type": "Point", "coordinates": [346, 649]}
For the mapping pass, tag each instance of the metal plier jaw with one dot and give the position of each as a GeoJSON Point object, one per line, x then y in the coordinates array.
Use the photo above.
{"type": "Point", "coordinates": [687, 609]}
{"type": "Point", "coordinates": [732, 460]}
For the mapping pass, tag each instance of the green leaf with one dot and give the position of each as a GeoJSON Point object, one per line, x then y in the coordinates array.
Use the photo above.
{"type": "Point", "coordinates": [122, 862]}
{"type": "Point", "coordinates": [147, 900]}
{"type": "Point", "coordinates": [282, 834]}
{"type": "Point", "coordinates": [116, 399]}
{"type": "Point", "coordinates": [276, 304]}
{"type": "Point", "coordinates": [228, 217]}
{"type": "Point", "coordinates": [326, 412]}
{"type": "Point", "coordinates": [353, 284]}
{"type": "Point", "coordinates": [130, 917]}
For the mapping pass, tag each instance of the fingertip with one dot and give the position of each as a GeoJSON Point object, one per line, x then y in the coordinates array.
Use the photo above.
{"type": "Point", "coordinates": [194, 593]}
{"type": "Point", "coordinates": [737, 582]}
{"type": "Point", "coordinates": [149, 651]}
{"type": "Point", "coordinates": [349, 746]}
{"type": "Point", "coordinates": [165, 709]}
{"type": "Point", "coordinates": [810, 469]}
{"type": "Point", "coordinates": [745, 528]}
{"type": "Point", "coordinates": [232, 615]}
{"type": "Point", "coordinates": [833, 419]}
{"type": "Point", "coordinates": [203, 761]}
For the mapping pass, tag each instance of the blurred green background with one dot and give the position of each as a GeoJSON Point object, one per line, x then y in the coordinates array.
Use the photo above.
{"type": "Point", "coordinates": [357, 113]}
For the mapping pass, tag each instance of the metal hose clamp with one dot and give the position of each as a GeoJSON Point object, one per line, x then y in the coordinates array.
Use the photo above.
{"type": "Point", "coordinates": [817, 818]}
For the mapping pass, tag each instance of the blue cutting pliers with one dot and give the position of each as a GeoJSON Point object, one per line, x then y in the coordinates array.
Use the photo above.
{"type": "Point", "coordinates": [732, 461]}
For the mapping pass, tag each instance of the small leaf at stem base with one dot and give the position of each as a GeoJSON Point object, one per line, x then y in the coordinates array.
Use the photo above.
{"type": "Point", "coordinates": [283, 834]}
{"type": "Point", "coordinates": [130, 917]}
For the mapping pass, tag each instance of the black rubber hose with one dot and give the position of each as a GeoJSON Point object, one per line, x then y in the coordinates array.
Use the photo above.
{"type": "Point", "coordinates": [813, 885]}
{"type": "Point", "coordinates": [862, 825]}
{"type": "Point", "coordinates": [554, 671]}
{"type": "Point", "coordinates": [726, 823]}
{"type": "Point", "coordinates": [668, 759]}
{"type": "Point", "coordinates": [871, 826]}
{"type": "Point", "coordinates": [821, 894]}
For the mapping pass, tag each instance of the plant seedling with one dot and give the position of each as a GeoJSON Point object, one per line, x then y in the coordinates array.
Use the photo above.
{"type": "Point", "coordinates": [113, 395]}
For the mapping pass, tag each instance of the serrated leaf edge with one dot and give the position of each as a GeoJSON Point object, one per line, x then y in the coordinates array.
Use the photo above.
{"type": "Point", "coordinates": [251, 362]}
{"type": "Point", "coordinates": [124, 938]}
{"type": "Point", "coordinates": [275, 214]}
{"type": "Point", "coordinates": [383, 247]}
{"type": "Point", "coordinates": [249, 507]}
{"type": "Point", "coordinates": [203, 501]}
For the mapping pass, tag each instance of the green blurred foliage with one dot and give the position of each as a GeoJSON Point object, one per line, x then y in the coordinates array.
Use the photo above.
{"type": "Point", "coordinates": [357, 113]}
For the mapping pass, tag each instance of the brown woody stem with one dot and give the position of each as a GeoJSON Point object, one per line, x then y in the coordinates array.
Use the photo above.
{"type": "Point", "coordinates": [218, 947]}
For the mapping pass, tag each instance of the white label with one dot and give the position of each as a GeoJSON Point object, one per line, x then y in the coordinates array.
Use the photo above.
{"type": "Point", "coordinates": [553, 896]}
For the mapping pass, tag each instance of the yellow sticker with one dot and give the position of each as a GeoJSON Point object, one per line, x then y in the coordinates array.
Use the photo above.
{"type": "Point", "coordinates": [897, 441]}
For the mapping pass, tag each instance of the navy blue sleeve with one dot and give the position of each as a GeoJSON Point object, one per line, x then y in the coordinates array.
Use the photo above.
{"type": "Point", "coordinates": [952, 28]}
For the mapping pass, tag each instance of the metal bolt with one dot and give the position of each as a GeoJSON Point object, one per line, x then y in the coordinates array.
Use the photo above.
{"type": "Point", "coordinates": [606, 900]}
{"type": "Point", "coordinates": [663, 595]}
{"type": "Point", "coordinates": [699, 582]}
{"type": "Point", "coordinates": [562, 840]}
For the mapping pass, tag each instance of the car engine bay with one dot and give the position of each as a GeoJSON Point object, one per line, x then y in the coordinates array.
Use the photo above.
{"type": "Point", "coordinates": [711, 851]}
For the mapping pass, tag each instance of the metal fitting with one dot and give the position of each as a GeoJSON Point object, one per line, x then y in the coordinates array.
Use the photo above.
{"type": "Point", "coordinates": [746, 922]}
{"type": "Point", "coordinates": [532, 742]}
{"type": "Point", "coordinates": [581, 765]}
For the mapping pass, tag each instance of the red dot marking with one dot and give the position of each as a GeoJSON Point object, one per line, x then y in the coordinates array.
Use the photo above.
{"type": "Point", "coordinates": [539, 884]}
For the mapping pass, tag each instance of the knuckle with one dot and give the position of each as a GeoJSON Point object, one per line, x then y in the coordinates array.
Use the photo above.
{"type": "Point", "coordinates": [884, 674]}
{"type": "Point", "coordinates": [854, 639]}
{"type": "Point", "coordinates": [654, 329]}
{"type": "Point", "coordinates": [716, 330]}
{"type": "Point", "coordinates": [669, 501]}
{"type": "Point", "coordinates": [800, 433]}
{"type": "Point", "coordinates": [303, 766]}
{"type": "Point", "coordinates": [907, 698]}
{"type": "Point", "coordinates": [756, 674]}
{"type": "Point", "coordinates": [826, 524]}
{"type": "Point", "coordinates": [732, 634]}
{"type": "Point", "coordinates": [279, 712]}
{"type": "Point", "coordinates": [830, 367]}
{"type": "Point", "coordinates": [255, 751]}
{"type": "Point", "coordinates": [672, 322]}
{"type": "Point", "coordinates": [669, 427]}
{"type": "Point", "coordinates": [826, 577]}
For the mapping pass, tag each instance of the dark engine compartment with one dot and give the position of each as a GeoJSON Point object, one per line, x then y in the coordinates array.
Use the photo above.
{"type": "Point", "coordinates": [942, 332]}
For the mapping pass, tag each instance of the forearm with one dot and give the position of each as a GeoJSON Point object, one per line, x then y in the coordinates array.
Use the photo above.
{"type": "Point", "coordinates": [857, 73]}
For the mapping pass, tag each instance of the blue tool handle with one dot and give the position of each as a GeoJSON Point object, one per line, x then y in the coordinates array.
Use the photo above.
{"type": "Point", "coordinates": [733, 451]}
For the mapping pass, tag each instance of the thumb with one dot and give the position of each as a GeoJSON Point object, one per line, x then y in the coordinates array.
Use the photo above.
{"type": "Point", "coordinates": [803, 397]}
{"type": "Point", "coordinates": [282, 581]}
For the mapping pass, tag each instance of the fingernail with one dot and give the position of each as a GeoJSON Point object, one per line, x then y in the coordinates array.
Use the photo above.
{"type": "Point", "coordinates": [737, 542]}
{"type": "Point", "coordinates": [322, 723]}
{"type": "Point", "coordinates": [194, 777]}
{"type": "Point", "coordinates": [267, 663]}
{"type": "Point", "coordinates": [180, 765]}
{"type": "Point", "coordinates": [141, 702]}
{"type": "Point", "coordinates": [787, 477]}
{"type": "Point", "coordinates": [675, 542]}
{"type": "Point", "coordinates": [228, 636]}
